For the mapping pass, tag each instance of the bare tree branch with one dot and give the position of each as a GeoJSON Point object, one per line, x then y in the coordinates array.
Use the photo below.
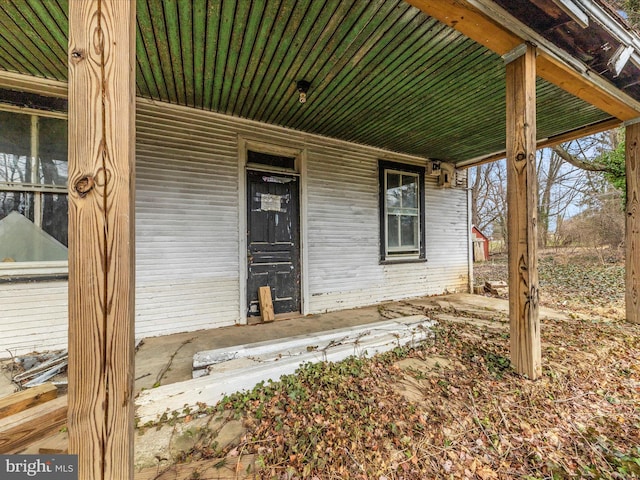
{"type": "Point", "coordinates": [576, 162]}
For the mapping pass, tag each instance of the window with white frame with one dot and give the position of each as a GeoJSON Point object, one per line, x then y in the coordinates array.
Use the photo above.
{"type": "Point", "coordinates": [33, 187]}
{"type": "Point", "coordinates": [401, 212]}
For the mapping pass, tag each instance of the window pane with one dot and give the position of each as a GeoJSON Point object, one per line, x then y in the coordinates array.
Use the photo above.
{"type": "Point", "coordinates": [393, 231]}
{"type": "Point", "coordinates": [54, 216]}
{"type": "Point", "coordinates": [20, 202]}
{"type": "Point", "coordinates": [394, 195]}
{"type": "Point", "coordinates": [409, 232]}
{"type": "Point", "coordinates": [52, 149]}
{"type": "Point", "coordinates": [15, 147]}
{"type": "Point", "coordinates": [409, 191]}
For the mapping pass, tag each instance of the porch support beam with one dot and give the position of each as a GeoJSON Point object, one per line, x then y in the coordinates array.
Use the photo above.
{"type": "Point", "coordinates": [522, 213]}
{"type": "Point", "coordinates": [475, 19]}
{"type": "Point", "coordinates": [101, 236]}
{"type": "Point", "coordinates": [632, 241]}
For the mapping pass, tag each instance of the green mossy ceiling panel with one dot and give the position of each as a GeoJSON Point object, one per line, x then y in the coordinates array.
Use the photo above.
{"type": "Point", "coordinates": [382, 73]}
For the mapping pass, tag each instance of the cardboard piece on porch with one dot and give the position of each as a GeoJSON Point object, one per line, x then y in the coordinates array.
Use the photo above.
{"type": "Point", "coordinates": [22, 429]}
{"type": "Point", "coordinates": [266, 304]}
{"type": "Point", "coordinates": [20, 401]}
{"type": "Point", "coordinates": [210, 389]}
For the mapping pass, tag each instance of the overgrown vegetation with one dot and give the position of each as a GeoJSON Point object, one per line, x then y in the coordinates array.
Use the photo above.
{"type": "Point", "coordinates": [453, 408]}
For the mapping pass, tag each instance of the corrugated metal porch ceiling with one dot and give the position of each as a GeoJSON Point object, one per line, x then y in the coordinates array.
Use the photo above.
{"type": "Point", "coordinates": [382, 73]}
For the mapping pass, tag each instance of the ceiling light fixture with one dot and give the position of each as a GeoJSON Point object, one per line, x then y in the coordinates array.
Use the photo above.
{"type": "Point", "coordinates": [303, 88]}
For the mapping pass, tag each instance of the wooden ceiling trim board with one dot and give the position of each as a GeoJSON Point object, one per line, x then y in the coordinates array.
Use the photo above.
{"type": "Point", "coordinates": [141, 84]}
{"type": "Point", "coordinates": [304, 64]}
{"type": "Point", "coordinates": [356, 34]}
{"type": "Point", "coordinates": [225, 30]}
{"type": "Point", "coordinates": [356, 84]}
{"type": "Point", "coordinates": [406, 65]}
{"type": "Point", "coordinates": [145, 70]}
{"type": "Point", "coordinates": [416, 64]}
{"type": "Point", "coordinates": [187, 49]}
{"type": "Point", "coordinates": [158, 46]}
{"type": "Point", "coordinates": [35, 43]}
{"type": "Point", "coordinates": [385, 117]}
{"type": "Point", "coordinates": [199, 35]}
{"type": "Point", "coordinates": [447, 97]}
{"type": "Point", "coordinates": [210, 57]}
{"type": "Point", "coordinates": [17, 58]}
{"type": "Point", "coordinates": [25, 53]}
{"type": "Point", "coordinates": [7, 58]}
{"type": "Point", "coordinates": [145, 36]}
{"type": "Point", "coordinates": [298, 26]}
{"type": "Point", "coordinates": [329, 11]}
{"type": "Point", "coordinates": [44, 10]}
{"type": "Point", "coordinates": [172, 26]}
{"type": "Point", "coordinates": [367, 30]}
{"type": "Point", "coordinates": [451, 129]}
{"type": "Point", "coordinates": [42, 24]}
{"type": "Point", "coordinates": [283, 83]}
{"type": "Point", "coordinates": [271, 43]}
{"type": "Point", "coordinates": [244, 59]}
{"type": "Point", "coordinates": [317, 66]}
{"type": "Point", "coordinates": [462, 16]}
{"type": "Point", "coordinates": [239, 34]}
{"type": "Point", "coordinates": [255, 56]}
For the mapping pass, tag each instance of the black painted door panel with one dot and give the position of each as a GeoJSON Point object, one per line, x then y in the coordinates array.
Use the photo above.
{"type": "Point", "coordinates": [273, 240]}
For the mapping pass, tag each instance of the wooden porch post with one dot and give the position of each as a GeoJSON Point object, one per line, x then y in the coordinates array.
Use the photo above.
{"type": "Point", "coordinates": [632, 240]}
{"type": "Point", "coordinates": [522, 211]}
{"type": "Point", "coordinates": [101, 236]}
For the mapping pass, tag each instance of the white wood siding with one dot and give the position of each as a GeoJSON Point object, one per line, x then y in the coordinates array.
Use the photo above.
{"type": "Point", "coordinates": [33, 317]}
{"type": "Point", "coordinates": [188, 265]}
{"type": "Point", "coordinates": [186, 222]}
{"type": "Point", "coordinates": [344, 235]}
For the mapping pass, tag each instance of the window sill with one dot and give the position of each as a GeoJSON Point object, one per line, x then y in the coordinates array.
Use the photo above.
{"type": "Point", "coordinates": [30, 271]}
{"type": "Point", "coordinates": [393, 261]}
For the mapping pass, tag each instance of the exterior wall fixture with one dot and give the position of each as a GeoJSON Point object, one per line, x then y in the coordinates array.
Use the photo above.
{"type": "Point", "coordinates": [303, 88]}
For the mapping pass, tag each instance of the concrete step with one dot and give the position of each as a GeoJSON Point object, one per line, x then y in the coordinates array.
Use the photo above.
{"type": "Point", "coordinates": [266, 361]}
{"type": "Point", "coordinates": [203, 362]}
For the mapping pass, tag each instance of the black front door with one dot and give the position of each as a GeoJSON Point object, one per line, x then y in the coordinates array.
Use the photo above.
{"type": "Point", "coordinates": [273, 240]}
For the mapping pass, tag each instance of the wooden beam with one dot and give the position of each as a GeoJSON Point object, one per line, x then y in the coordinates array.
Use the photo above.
{"type": "Point", "coordinates": [460, 15]}
{"type": "Point", "coordinates": [101, 236]}
{"type": "Point", "coordinates": [632, 241]}
{"type": "Point", "coordinates": [476, 25]}
{"type": "Point", "coordinates": [19, 401]}
{"type": "Point", "coordinates": [522, 213]}
{"type": "Point", "coordinates": [549, 142]}
{"type": "Point", "coordinates": [24, 428]}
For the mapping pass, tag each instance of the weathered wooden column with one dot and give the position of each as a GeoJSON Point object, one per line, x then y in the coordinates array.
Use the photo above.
{"type": "Point", "coordinates": [101, 236]}
{"type": "Point", "coordinates": [632, 240]}
{"type": "Point", "coordinates": [522, 211]}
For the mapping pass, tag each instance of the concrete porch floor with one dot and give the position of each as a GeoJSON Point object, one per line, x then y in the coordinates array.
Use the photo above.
{"type": "Point", "coordinates": [168, 359]}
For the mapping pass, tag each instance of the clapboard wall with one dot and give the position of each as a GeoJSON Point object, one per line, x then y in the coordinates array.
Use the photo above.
{"type": "Point", "coordinates": [188, 260]}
